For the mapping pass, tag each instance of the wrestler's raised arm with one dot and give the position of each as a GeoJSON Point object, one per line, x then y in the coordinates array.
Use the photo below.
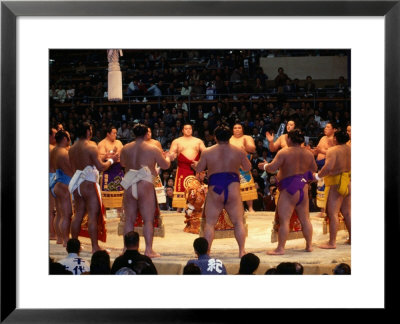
{"type": "Point", "coordinates": [164, 163]}
{"type": "Point", "coordinates": [273, 146]}
{"type": "Point", "coordinates": [245, 162]}
{"type": "Point", "coordinates": [95, 157]}
{"type": "Point", "coordinates": [329, 164]}
{"type": "Point", "coordinates": [249, 144]}
{"type": "Point", "coordinates": [276, 162]}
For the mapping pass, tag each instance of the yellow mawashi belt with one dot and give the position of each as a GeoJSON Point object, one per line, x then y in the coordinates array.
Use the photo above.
{"type": "Point", "coordinates": [342, 179]}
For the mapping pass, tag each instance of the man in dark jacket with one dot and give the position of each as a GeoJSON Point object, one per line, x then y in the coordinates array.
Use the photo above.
{"type": "Point", "coordinates": [132, 259]}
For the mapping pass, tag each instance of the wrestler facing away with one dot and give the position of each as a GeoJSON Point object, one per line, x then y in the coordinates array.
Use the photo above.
{"type": "Point", "coordinates": [338, 161]}
{"type": "Point", "coordinates": [291, 161]}
{"type": "Point", "coordinates": [139, 156]}
{"type": "Point", "coordinates": [60, 160]}
{"type": "Point", "coordinates": [245, 143]}
{"type": "Point", "coordinates": [52, 202]}
{"type": "Point", "coordinates": [224, 185]}
{"type": "Point", "coordinates": [110, 147]}
{"type": "Point", "coordinates": [187, 145]}
{"type": "Point", "coordinates": [85, 153]}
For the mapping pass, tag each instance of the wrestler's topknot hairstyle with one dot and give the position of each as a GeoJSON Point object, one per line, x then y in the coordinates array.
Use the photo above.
{"type": "Point", "coordinates": [200, 245]}
{"type": "Point", "coordinates": [296, 136]}
{"type": "Point", "coordinates": [140, 130]}
{"type": "Point", "coordinates": [83, 128]}
{"type": "Point", "coordinates": [60, 135]}
{"type": "Point", "coordinates": [341, 137]}
{"type": "Point", "coordinates": [222, 133]}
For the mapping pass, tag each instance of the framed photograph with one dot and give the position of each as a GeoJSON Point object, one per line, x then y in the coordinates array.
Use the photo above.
{"type": "Point", "coordinates": [30, 28]}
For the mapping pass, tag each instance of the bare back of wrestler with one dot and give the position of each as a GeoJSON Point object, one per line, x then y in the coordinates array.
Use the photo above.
{"type": "Point", "coordinates": [338, 161]}
{"type": "Point", "coordinates": [84, 153]}
{"type": "Point", "coordinates": [60, 161]}
{"type": "Point", "coordinates": [215, 159]}
{"type": "Point", "coordinates": [135, 156]}
{"type": "Point", "coordinates": [292, 160]}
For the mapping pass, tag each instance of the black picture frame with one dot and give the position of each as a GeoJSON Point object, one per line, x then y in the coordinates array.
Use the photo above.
{"type": "Point", "coordinates": [10, 10]}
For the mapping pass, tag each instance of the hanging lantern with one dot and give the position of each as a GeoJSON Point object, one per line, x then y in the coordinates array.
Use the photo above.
{"type": "Point", "coordinates": [114, 75]}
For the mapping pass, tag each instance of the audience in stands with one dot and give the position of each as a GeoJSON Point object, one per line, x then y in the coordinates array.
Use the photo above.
{"type": "Point", "coordinates": [132, 259]}
{"type": "Point", "coordinates": [248, 264]}
{"type": "Point", "coordinates": [73, 262]}
{"type": "Point", "coordinates": [207, 265]}
{"type": "Point", "coordinates": [342, 269]}
{"type": "Point", "coordinates": [100, 263]}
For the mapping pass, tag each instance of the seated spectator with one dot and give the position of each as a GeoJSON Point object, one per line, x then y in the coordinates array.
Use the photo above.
{"type": "Point", "coordinates": [191, 269]}
{"type": "Point", "coordinates": [56, 268]}
{"type": "Point", "coordinates": [100, 263]}
{"type": "Point", "coordinates": [342, 269]}
{"type": "Point", "coordinates": [198, 90]}
{"type": "Point", "coordinates": [132, 256]}
{"type": "Point", "coordinates": [123, 133]}
{"type": "Point", "coordinates": [169, 192]}
{"type": "Point", "coordinates": [290, 268]}
{"type": "Point", "coordinates": [269, 198]}
{"type": "Point", "coordinates": [186, 89]}
{"type": "Point", "coordinates": [154, 90]}
{"type": "Point", "coordinates": [207, 265]}
{"type": "Point", "coordinates": [280, 79]}
{"type": "Point", "coordinates": [73, 262]}
{"type": "Point", "coordinates": [309, 86]}
{"type": "Point", "coordinates": [271, 271]}
{"type": "Point", "coordinates": [248, 264]}
{"type": "Point", "coordinates": [61, 94]}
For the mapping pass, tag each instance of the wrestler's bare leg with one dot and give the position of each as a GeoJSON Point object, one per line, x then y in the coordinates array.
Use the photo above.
{"type": "Point", "coordinates": [64, 202]}
{"type": "Point", "coordinates": [286, 204]}
{"type": "Point", "coordinates": [212, 208]}
{"type": "Point", "coordinates": [52, 205]}
{"type": "Point", "coordinates": [346, 212]}
{"type": "Point", "coordinates": [303, 214]}
{"type": "Point", "coordinates": [130, 212]}
{"type": "Point", "coordinates": [89, 194]}
{"type": "Point", "coordinates": [250, 206]}
{"type": "Point", "coordinates": [57, 222]}
{"type": "Point", "coordinates": [332, 207]}
{"type": "Point", "coordinates": [147, 208]}
{"type": "Point", "coordinates": [234, 208]}
{"type": "Point", "coordinates": [80, 209]}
